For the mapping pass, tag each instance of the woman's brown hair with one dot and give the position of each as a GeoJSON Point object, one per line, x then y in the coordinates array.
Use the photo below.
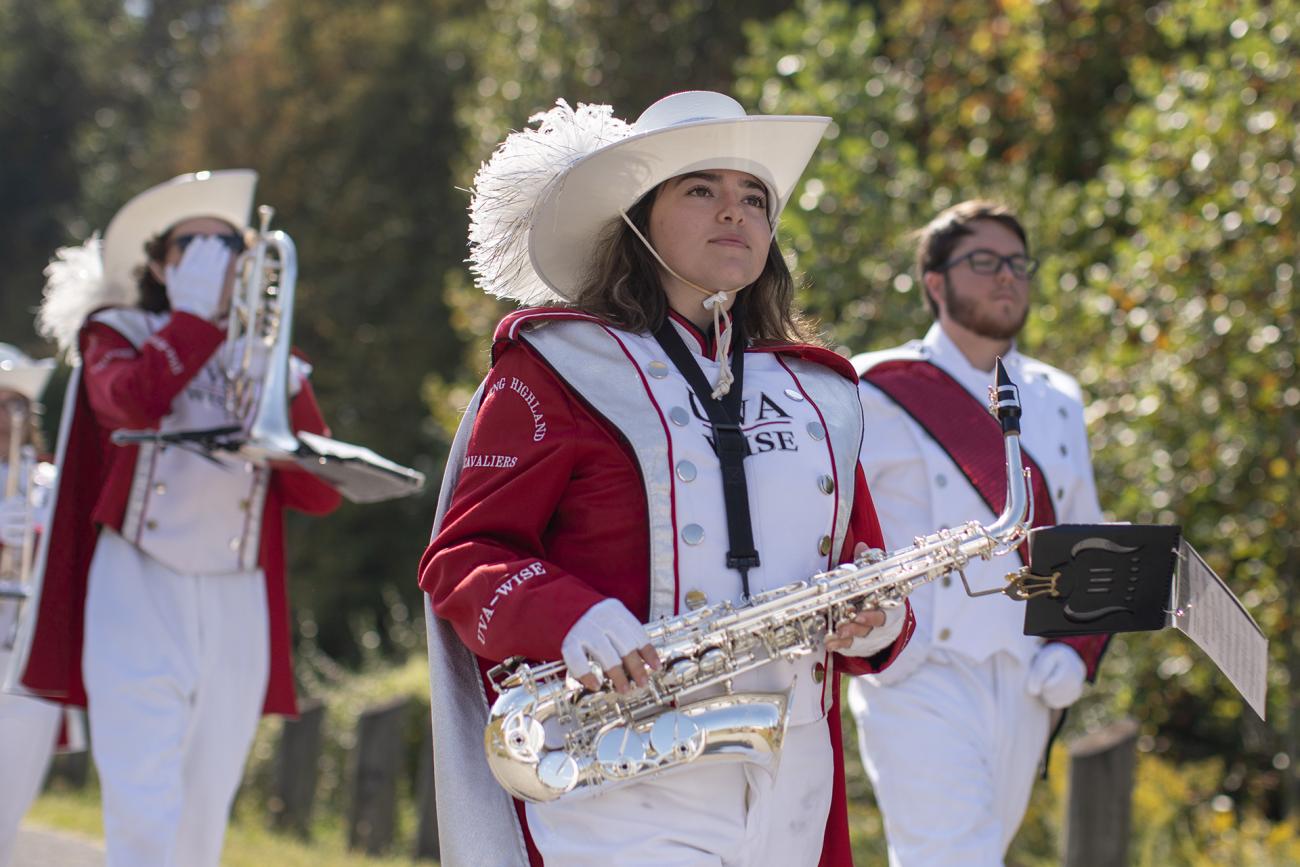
{"type": "Point", "coordinates": [623, 287]}
{"type": "Point", "coordinates": [153, 295]}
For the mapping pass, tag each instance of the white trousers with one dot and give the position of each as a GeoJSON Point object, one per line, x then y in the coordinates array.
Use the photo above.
{"type": "Point", "coordinates": [952, 752]}
{"type": "Point", "coordinates": [707, 816]}
{"type": "Point", "coordinates": [175, 668]}
{"type": "Point", "coordinates": [29, 728]}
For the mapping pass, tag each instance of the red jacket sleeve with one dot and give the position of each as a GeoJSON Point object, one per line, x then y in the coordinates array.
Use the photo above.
{"type": "Point", "coordinates": [864, 526]}
{"type": "Point", "coordinates": [134, 388]}
{"type": "Point", "coordinates": [298, 488]}
{"type": "Point", "coordinates": [486, 571]}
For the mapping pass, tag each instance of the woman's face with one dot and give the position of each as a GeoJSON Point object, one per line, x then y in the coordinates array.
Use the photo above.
{"type": "Point", "coordinates": [711, 228]}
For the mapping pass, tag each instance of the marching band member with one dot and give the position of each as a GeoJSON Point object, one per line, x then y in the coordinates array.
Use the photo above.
{"type": "Point", "coordinates": [163, 606]}
{"type": "Point", "coordinates": [586, 494]}
{"type": "Point", "coordinates": [29, 727]}
{"type": "Point", "coordinates": [952, 734]}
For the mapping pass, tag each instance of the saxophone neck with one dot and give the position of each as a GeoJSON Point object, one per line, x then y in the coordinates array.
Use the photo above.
{"type": "Point", "coordinates": [1015, 517]}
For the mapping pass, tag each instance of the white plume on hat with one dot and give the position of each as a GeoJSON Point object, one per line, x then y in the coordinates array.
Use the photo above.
{"type": "Point", "coordinates": [509, 186]}
{"type": "Point", "coordinates": [75, 288]}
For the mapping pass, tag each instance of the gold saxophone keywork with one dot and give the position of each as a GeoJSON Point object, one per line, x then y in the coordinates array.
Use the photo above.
{"type": "Point", "coordinates": [549, 738]}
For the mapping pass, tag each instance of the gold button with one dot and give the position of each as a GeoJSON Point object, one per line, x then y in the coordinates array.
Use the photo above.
{"type": "Point", "coordinates": [945, 634]}
{"type": "Point", "coordinates": [824, 546]}
{"type": "Point", "coordinates": [244, 505]}
{"type": "Point", "coordinates": [151, 524]}
{"type": "Point", "coordinates": [696, 599]}
{"type": "Point", "coordinates": [819, 672]}
{"type": "Point", "coordinates": [826, 483]}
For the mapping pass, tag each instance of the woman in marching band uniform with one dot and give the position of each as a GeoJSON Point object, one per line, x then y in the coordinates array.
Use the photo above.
{"type": "Point", "coordinates": [163, 605]}
{"type": "Point", "coordinates": [586, 495]}
{"type": "Point", "coordinates": [29, 727]}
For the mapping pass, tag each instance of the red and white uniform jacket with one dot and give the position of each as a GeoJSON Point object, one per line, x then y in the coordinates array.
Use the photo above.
{"type": "Point", "coordinates": [194, 513]}
{"type": "Point", "coordinates": [585, 471]}
{"type": "Point", "coordinates": [919, 489]}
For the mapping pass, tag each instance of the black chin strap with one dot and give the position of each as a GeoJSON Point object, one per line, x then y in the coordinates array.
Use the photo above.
{"type": "Point", "coordinates": [729, 439]}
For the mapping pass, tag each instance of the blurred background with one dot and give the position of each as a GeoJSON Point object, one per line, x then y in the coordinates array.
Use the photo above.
{"type": "Point", "coordinates": [1150, 148]}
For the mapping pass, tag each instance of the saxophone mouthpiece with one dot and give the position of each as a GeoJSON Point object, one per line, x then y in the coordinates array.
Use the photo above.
{"type": "Point", "coordinates": [1007, 401]}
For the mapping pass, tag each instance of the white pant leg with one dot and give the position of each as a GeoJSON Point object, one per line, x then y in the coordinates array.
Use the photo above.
{"type": "Point", "coordinates": [951, 752]}
{"type": "Point", "coordinates": [162, 651]}
{"type": "Point", "coordinates": [234, 666]}
{"type": "Point", "coordinates": [28, 730]}
{"type": "Point", "coordinates": [788, 820]}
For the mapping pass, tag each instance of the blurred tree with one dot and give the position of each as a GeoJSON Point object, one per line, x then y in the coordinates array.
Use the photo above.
{"type": "Point", "coordinates": [348, 113]}
{"type": "Point", "coordinates": [86, 89]}
{"type": "Point", "coordinates": [1150, 149]}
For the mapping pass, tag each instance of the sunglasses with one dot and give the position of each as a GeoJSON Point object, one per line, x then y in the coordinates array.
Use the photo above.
{"type": "Point", "coordinates": [234, 242]}
{"type": "Point", "coordinates": [988, 263]}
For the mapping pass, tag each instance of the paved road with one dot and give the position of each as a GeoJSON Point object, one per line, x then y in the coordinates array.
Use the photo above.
{"type": "Point", "coordinates": [40, 847]}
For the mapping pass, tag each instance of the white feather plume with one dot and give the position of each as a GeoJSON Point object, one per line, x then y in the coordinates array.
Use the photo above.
{"type": "Point", "coordinates": [509, 186]}
{"type": "Point", "coordinates": [75, 288]}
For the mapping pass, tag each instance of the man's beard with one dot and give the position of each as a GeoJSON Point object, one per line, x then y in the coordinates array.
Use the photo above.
{"type": "Point", "coordinates": [965, 314]}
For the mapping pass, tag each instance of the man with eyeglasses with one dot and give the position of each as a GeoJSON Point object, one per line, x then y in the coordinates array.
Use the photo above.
{"type": "Point", "coordinates": [163, 606]}
{"type": "Point", "coordinates": [952, 734]}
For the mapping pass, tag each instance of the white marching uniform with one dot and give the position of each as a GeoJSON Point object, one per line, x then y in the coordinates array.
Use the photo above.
{"type": "Point", "coordinates": [949, 736]}
{"type": "Point", "coordinates": [29, 727]}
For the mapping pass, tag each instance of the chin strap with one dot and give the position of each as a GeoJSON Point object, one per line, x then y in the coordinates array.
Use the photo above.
{"type": "Point", "coordinates": [714, 302]}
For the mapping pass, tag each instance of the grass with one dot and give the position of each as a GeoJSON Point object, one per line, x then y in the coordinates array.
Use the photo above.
{"type": "Point", "coordinates": [249, 843]}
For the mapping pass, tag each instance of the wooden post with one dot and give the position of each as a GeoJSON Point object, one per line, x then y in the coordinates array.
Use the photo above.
{"type": "Point", "coordinates": [426, 838]}
{"type": "Point", "coordinates": [1099, 813]}
{"type": "Point", "coordinates": [372, 815]}
{"type": "Point", "coordinates": [297, 768]}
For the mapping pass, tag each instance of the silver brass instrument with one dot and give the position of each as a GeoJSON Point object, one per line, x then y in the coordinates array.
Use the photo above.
{"type": "Point", "coordinates": [255, 361]}
{"type": "Point", "coordinates": [16, 561]}
{"type": "Point", "coordinates": [548, 737]}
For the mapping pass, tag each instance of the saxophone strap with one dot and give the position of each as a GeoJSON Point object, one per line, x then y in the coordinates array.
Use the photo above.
{"type": "Point", "coordinates": [729, 439]}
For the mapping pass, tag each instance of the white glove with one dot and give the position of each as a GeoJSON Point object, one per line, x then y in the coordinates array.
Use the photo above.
{"type": "Point", "coordinates": [880, 637]}
{"type": "Point", "coordinates": [606, 633]}
{"type": "Point", "coordinates": [194, 285]}
{"type": "Point", "coordinates": [13, 521]}
{"type": "Point", "coordinates": [1056, 675]}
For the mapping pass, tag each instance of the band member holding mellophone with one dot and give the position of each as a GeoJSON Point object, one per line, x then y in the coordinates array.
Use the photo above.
{"type": "Point", "coordinates": [163, 605]}
{"type": "Point", "coordinates": [30, 728]}
{"type": "Point", "coordinates": [656, 433]}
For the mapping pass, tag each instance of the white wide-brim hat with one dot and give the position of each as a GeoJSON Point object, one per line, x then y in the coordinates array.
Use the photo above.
{"type": "Point", "coordinates": [600, 167]}
{"type": "Point", "coordinates": [22, 374]}
{"type": "Point", "coordinates": [226, 195]}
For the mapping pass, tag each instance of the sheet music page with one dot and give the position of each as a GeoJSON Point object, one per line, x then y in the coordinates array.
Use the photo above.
{"type": "Point", "coordinates": [1209, 614]}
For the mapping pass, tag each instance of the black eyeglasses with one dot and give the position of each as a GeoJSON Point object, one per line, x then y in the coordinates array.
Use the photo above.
{"type": "Point", "coordinates": [234, 242]}
{"type": "Point", "coordinates": [989, 263]}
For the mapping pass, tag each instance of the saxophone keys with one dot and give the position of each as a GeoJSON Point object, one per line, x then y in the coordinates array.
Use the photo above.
{"type": "Point", "coordinates": [677, 737]}
{"type": "Point", "coordinates": [524, 737]}
{"type": "Point", "coordinates": [558, 771]}
{"type": "Point", "coordinates": [620, 753]}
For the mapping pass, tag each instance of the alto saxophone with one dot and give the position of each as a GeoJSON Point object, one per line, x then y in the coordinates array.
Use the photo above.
{"type": "Point", "coordinates": [548, 737]}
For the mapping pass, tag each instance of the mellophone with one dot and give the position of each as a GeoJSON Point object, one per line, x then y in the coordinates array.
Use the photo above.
{"type": "Point", "coordinates": [261, 320]}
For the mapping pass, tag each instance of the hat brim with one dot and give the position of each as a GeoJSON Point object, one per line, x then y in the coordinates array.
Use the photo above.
{"type": "Point", "coordinates": [29, 380]}
{"type": "Point", "coordinates": [226, 195]}
{"type": "Point", "coordinates": [579, 205]}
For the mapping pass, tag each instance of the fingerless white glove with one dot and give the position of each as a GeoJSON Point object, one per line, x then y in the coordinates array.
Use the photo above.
{"type": "Point", "coordinates": [606, 633]}
{"type": "Point", "coordinates": [194, 284]}
{"type": "Point", "coordinates": [880, 637]}
{"type": "Point", "coordinates": [13, 520]}
{"type": "Point", "coordinates": [1056, 675]}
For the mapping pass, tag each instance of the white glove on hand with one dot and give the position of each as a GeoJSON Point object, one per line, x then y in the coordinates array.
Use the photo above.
{"type": "Point", "coordinates": [194, 285]}
{"type": "Point", "coordinates": [881, 636]}
{"type": "Point", "coordinates": [606, 633]}
{"type": "Point", "coordinates": [1056, 675]}
{"type": "Point", "coordinates": [13, 521]}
